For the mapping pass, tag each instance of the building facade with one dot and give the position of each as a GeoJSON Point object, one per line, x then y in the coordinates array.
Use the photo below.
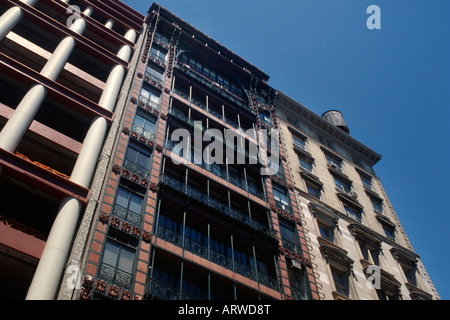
{"type": "Point", "coordinates": [359, 247]}
{"type": "Point", "coordinates": [99, 99]}
{"type": "Point", "coordinates": [62, 68]}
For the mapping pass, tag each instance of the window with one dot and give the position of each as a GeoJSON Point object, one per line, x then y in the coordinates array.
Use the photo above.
{"type": "Point", "coordinates": [149, 97]}
{"type": "Point", "coordinates": [340, 278]}
{"type": "Point", "coordinates": [370, 253]}
{"type": "Point", "coordinates": [342, 185]}
{"type": "Point", "coordinates": [353, 213]}
{"type": "Point", "coordinates": [313, 189]}
{"type": "Point", "coordinates": [118, 258]}
{"type": "Point", "coordinates": [367, 181]}
{"type": "Point", "coordinates": [137, 156]}
{"type": "Point", "coordinates": [144, 125]}
{"type": "Point", "coordinates": [334, 162]}
{"type": "Point", "coordinates": [280, 195]}
{"type": "Point", "coordinates": [377, 205]}
{"type": "Point", "coordinates": [389, 231]}
{"type": "Point", "coordinates": [326, 231]}
{"type": "Point", "coordinates": [161, 37]}
{"type": "Point", "coordinates": [306, 163]}
{"type": "Point", "coordinates": [299, 142]}
{"type": "Point", "coordinates": [158, 53]}
{"type": "Point", "coordinates": [155, 74]}
{"type": "Point", "coordinates": [289, 236]}
{"type": "Point", "coordinates": [298, 282]}
{"type": "Point", "coordinates": [212, 74]}
{"type": "Point", "coordinates": [265, 117]}
{"type": "Point", "coordinates": [128, 206]}
{"type": "Point", "coordinates": [410, 273]}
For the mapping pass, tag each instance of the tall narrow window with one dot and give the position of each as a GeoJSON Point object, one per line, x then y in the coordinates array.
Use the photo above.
{"type": "Point", "coordinates": [299, 142]}
{"type": "Point", "coordinates": [353, 213]}
{"type": "Point", "coordinates": [367, 181]}
{"type": "Point", "coordinates": [159, 53]}
{"type": "Point", "coordinates": [137, 161]}
{"type": "Point", "coordinates": [342, 185]}
{"type": "Point", "coordinates": [341, 283]}
{"type": "Point", "coordinates": [118, 258]}
{"type": "Point", "coordinates": [334, 162]}
{"type": "Point", "coordinates": [377, 205]}
{"type": "Point", "coordinates": [313, 189]}
{"type": "Point", "coordinates": [305, 163]}
{"type": "Point", "coordinates": [150, 97]}
{"type": "Point", "coordinates": [128, 206]}
{"type": "Point", "coordinates": [289, 236]}
{"type": "Point", "coordinates": [280, 195]}
{"type": "Point", "coordinates": [144, 125]}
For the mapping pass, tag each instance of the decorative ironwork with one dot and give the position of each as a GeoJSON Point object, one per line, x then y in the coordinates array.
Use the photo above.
{"type": "Point", "coordinates": [162, 291]}
{"type": "Point", "coordinates": [198, 195]}
{"type": "Point", "coordinates": [125, 214]}
{"type": "Point", "coordinates": [113, 275]}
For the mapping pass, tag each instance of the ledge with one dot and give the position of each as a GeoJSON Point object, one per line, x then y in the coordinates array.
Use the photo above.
{"type": "Point", "coordinates": [40, 178]}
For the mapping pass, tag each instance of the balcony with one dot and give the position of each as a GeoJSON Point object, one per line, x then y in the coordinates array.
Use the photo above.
{"type": "Point", "coordinates": [240, 183]}
{"type": "Point", "coordinates": [113, 275]}
{"type": "Point", "coordinates": [213, 86]}
{"type": "Point", "coordinates": [284, 207]}
{"type": "Point", "coordinates": [135, 168]}
{"type": "Point", "coordinates": [218, 258]}
{"type": "Point", "coordinates": [127, 215]}
{"type": "Point", "coordinates": [162, 291]}
{"type": "Point", "coordinates": [223, 208]}
{"type": "Point", "coordinates": [300, 294]}
{"type": "Point", "coordinates": [149, 105]}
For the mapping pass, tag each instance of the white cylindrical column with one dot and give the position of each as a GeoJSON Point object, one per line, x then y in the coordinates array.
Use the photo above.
{"type": "Point", "coordinates": [24, 114]}
{"type": "Point", "coordinates": [51, 265]}
{"type": "Point", "coordinates": [46, 278]}
{"type": "Point", "coordinates": [18, 124]}
{"type": "Point", "coordinates": [87, 159]}
{"type": "Point", "coordinates": [109, 23]}
{"type": "Point", "coordinates": [11, 17]}
{"type": "Point", "coordinates": [48, 272]}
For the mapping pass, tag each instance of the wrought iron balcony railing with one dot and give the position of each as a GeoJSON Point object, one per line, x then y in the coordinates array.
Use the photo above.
{"type": "Point", "coordinates": [206, 252]}
{"type": "Point", "coordinates": [127, 215]}
{"type": "Point", "coordinates": [114, 275]}
{"type": "Point", "coordinates": [162, 291]}
{"type": "Point", "coordinates": [203, 198]}
{"type": "Point", "coordinates": [214, 87]}
{"type": "Point", "coordinates": [285, 207]}
{"type": "Point", "coordinates": [237, 181]}
{"type": "Point", "coordinates": [135, 168]}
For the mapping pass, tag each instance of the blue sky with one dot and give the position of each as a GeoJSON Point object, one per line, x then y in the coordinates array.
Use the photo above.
{"type": "Point", "coordinates": [392, 86]}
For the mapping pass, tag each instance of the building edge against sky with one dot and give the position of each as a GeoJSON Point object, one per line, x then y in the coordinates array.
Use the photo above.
{"type": "Point", "coordinates": [139, 227]}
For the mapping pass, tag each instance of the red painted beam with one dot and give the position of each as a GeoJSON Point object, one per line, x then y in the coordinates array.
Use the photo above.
{"type": "Point", "coordinates": [16, 240]}
{"type": "Point", "coordinates": [40, 178]}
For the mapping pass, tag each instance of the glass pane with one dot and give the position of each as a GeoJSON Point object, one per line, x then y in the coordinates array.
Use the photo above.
{"type": "Point", "coordinates": [111, 253]}
{"type": "Point", "coordinates": [145, 93]}
{"type": "Point", "coordinates": [132, 154]}
{"type": "Point", "coordinates": [142, 160]}
{"type": "Point", "coordinates": [149, 125]}
{"type": "Point", "coordinates": [126, 260]}
{"type": "Point", "coordinates": [135, 203]}
{"type": "Point", "coordinates": [122, 198]}
{"type": "Point", "coordinates": [140, 121]}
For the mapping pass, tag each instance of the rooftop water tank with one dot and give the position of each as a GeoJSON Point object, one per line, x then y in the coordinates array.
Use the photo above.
{"type": "Point", "coordinates": [336, 119]}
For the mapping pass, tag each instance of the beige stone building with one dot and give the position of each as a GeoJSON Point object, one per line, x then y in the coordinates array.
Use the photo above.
{"type": "Point", "coordinates": [358, 247]}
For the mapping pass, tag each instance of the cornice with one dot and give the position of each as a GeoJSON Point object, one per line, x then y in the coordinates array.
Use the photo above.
{"type": "Point", "coordinates": [285, 102]}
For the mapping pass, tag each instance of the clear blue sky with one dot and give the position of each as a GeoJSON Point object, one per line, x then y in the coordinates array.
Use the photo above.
{"type": "Point", "coordinates": [392, 86]}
